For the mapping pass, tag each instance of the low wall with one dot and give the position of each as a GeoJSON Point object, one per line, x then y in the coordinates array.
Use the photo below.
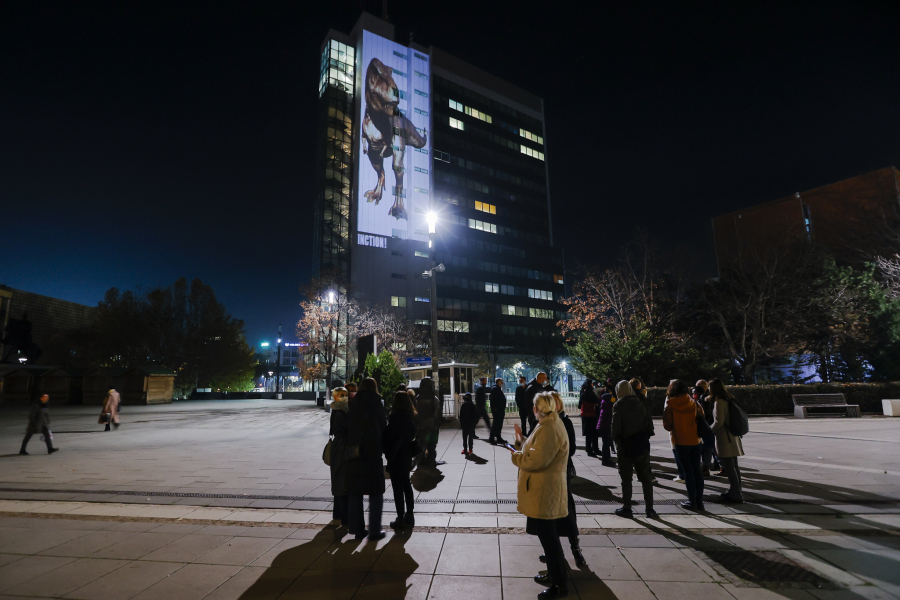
{"type": "Point", "coordinates": [776, 399]}
{"type": "Point", "coordinates": [252, 395]}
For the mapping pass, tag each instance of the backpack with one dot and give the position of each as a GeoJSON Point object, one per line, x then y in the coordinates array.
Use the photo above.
{"type": "Point", "coordinates": [738, 424]}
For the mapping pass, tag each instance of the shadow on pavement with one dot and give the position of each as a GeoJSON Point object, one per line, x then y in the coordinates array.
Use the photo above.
{"type": "Point", "coordinates": [425, 479]}
{"type": "Point", "coordinates": [591, 490]}
{"type": "Point", "coordinates": [477, 459]}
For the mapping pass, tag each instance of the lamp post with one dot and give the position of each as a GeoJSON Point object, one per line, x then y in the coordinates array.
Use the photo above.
{"type": "Point", "coordinates": [431, 217]}
{"type": "Point", "coordinates": [278, 367]}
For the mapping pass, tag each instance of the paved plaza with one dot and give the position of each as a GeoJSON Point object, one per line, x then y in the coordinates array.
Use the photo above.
{"type": "Point", "coordinates": [226, 500]}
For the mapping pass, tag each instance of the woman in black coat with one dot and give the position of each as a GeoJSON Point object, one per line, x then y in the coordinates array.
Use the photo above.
{"type": "Point", "coordinates": [589, 404]}
{"type": "Point", "coordinates": [340, 421]}
{"type": "Point", "coordinates": [398, 438]}
{"type": "Point", "coordinates": [364, 467]}
{"type": "Point", "coordinates": [568, 525]}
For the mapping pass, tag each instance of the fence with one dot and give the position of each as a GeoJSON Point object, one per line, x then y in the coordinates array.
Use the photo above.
{"type": "Point", "coordinates": [451, 407]}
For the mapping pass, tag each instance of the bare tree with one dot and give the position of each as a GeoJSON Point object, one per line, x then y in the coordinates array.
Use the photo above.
{"type": "Point", "coordinates": [393, 330]}
{"type": "Point", "coordinates": [889, 271]}
{"type": "Point", "coordinates": [327, 326]}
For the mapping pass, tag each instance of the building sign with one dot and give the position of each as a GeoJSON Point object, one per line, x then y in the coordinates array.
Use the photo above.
{"type": "Point", "coordinates": [395, 137]}
{"type": "Point", "coordinates": [418, 361]}
{"type": "Point", "coordinates": [373, 241]}
{"type": "Point", "coordinates": [295, 345]}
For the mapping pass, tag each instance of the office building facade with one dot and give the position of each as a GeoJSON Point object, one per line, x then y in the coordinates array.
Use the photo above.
{"type": "Point", "coordinates": [405, 130]}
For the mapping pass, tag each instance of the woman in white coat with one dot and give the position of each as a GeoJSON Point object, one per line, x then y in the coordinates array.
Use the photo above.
{"type": "Point", "coordinates": [728, 446]}
{"type": "Point", "coordinates": [542, 489]}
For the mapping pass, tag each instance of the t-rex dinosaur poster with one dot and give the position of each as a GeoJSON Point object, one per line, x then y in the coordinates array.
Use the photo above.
{"type": "Point", "coordinates": [394, 123]}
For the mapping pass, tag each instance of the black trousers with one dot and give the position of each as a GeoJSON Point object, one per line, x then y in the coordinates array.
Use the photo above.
{"type": "Point", "coordinates": [497, 427]}
{"type": "Point", "coordinates": [468, 435]}
{"type": "Point", "coordinates": [556, 560]}
{"type": "Point", "coordinates": [641, 465]}
{"type": "Point", "coordinates": [403, 492]}
{"type": "Point", "coordinates": [482, 414]}
{"type": "Point", "coordinates": [339, 511]}
{"type": "Point", "coordinates": [46, 433]}
{"type": "Point", "coordinates": [606, 436]}
{"type": "Point", "coordinates": [527, 418]}
{"type": "Point", "coordinates": [356, 516]}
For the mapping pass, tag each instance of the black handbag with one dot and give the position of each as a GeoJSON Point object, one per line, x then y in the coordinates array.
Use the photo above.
{"type": "Point", "coordinates": [414, 448]}
{"type": "Point", "coordinates": [105, 417]}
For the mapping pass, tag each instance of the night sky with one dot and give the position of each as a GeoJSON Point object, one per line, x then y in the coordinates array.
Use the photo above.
{"type": "Point", "coordinates": [145, 141]}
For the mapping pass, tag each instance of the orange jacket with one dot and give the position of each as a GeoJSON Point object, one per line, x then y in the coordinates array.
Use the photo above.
{"type": "Point", "coordinates": [680, 420]}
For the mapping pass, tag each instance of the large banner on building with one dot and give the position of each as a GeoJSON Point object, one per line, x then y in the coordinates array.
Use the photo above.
{"type": "Point", "coordinates": [394, 190]}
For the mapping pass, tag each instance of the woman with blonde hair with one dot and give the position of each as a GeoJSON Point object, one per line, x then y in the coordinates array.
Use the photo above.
{"type": "Point", "coordinates": [542, 490]}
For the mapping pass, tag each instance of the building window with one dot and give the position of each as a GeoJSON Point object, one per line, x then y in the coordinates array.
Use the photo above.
{"type": "Point", "coordinates": [470, 111]}
{"type": "Point", "coordinates": [540, 313]}
{"type": "Point", "coordinates": [441, 156]}
{"type": "Point", "coordinates": [493, 288]}
{"type": "Point", "coordinates": [421, 112]}
{"type": "Point", "coordinates": [531, 152]}
{"type": "Point", "coordinates": [403, 56]}
{"type": "Point", "coordinates": [401, 73]}
{"type": "Point", "coordinates": [398, 276]}
{"type": "Point", "coordinates": [421, 299]}
{"type": "Point", "coordinates": [485, 207]}
{"type": "Point", "coordinates": [421, 93]}
{"type": "Point", "coordinates": [421, 254]}
{"type": "Point", "coordinates": [422, 75]}
{"type": "Point", "coordinates": [453, 326]}
{"type": "Point", "coordinates": [457, 124]}
{"type": "Point", "coordinates": [557, 279]}
{"type": "Point", "coordinates": [482, 226]}
{"type": "Point", "coordinates": [540, 294]}
{"type": "Point", "coordinates": [532, 137]}
{"type": "Point", "coordinates": [419, 56]}
{"type": "Point", "coordinates": [807, 220]}
{"type": "Point", "coordinates": [421, 170]}
{"type": "Point", "coordinates": [399, 301]}
{"type": "Point", "coordinates": [423, 322]}
{"type": "Point", "coordinates": [421, 190]}
{"type": "Point", "coordinates": [337, 67]}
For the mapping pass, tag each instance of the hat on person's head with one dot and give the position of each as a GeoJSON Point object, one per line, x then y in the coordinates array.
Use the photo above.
{"type": "Point", "coordinates": [467, 396]}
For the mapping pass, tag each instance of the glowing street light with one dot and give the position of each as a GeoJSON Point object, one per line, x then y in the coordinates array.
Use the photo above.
{"type": "Point", "coordinates": [431, 217]}
{"type": "Point", "coordinates": [330, 297]}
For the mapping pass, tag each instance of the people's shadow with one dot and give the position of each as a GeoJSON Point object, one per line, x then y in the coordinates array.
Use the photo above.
{"type": "Point", "coordinates": [425, 479]}
{"type": "Point", "coordinates": [476, 459]}
{"type": "Point", "coordinates": [328, 565]}
{"type": "Point", "coordinates": [591, 490]}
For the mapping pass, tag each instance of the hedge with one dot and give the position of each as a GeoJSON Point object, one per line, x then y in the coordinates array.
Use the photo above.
{"type": "Point", "coordinates": [776, 399]}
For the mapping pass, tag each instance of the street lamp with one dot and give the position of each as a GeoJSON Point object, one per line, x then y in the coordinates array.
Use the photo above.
{"type": "Point", "coordinates": [431, 218]}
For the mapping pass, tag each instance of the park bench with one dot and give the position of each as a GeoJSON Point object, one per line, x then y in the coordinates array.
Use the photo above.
{"type": "Point", "coordinates": [803, 402]}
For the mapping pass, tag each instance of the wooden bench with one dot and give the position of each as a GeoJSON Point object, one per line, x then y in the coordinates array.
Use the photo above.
{"type": "Point", "coordinates": [803, 402]}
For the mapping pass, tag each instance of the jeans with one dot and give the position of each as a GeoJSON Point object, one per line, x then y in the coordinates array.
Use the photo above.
{"type": "Point", "coordinates": [556, 561]}
{"type": "Point", "coordinates": [678, 464]}
{"type": "Point", "coordinates": [403, 492]}
{"type": "Point", "coordinates": [357, 517]}
{"type": "Point", "coordinates": [641, 465]}
{"type": "Point", "coordinates": [497, 427]}
{"type": "Point", "coordinates": [731, 468]}
{"type": "Point", "coordinates": [693, 474]}
{"type": "Point", "coordinates": [468, 434]}
{"type": "Point", "coordinates": [482, 414]}
{"type": "Point", "coordinates": [527, 418]}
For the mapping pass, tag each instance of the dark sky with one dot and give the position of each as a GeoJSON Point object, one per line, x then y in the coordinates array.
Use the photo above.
{"type": "Point", "coordinates": [145, 141]}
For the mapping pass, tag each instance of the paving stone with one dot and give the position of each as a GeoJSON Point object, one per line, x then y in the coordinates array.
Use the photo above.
{"type": "Point", "coordinates": [664, 564]}
{"type": "Point", "coordinates": [29, 567]}
{"type": "Point", "coordinates": [187, 548]}
{"type": "Point", "coordinates": [325, 585]}
{"type": "Point", "coordinates": [67, 578]}
{"type": "Point", "coordinates": [125, 582]}
{"type": "Point", "coordinates": [255, 583]}
{"type": "Point", "coordinates": [237, 551]}
{"type": "Point", "coordinates": [137, 546]}
{"type": "Point", "coordinates": [192, 582]}
{"type": "Point", "coordinates": [688, 591]}
{"type": "Point", "coordinates": [445, 587]}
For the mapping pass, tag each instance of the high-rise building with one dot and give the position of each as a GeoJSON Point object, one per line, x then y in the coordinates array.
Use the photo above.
{"type": "Point", "coordinates": [404, 131]}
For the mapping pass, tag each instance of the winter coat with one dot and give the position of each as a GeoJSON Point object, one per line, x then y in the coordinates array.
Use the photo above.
{"type": "Point", "coordinates": [570, 433]}
{"type": "Point", "coordinates": [589, 404]}
{"type": "Point", "coordinates": [680, 420]}
{"type": "Point", "coordinates": [468, 415]}
{"type": "Point", "coordinates": [340, 422]}
{"type": "Point", "coordinates": [481, 396]}
{"type": "Point", "coordinates": [568, 525]}
{"type": "Point", "coordinates": [531, 390]}
{"type": "Point", "coordinates": [396, 440]}
{"type": "Point", "coordinates": [111, 406]}
{"type": "Point", "coordinates": [365, 475]}
{"type": "Point", "coordinates": [38, 417]}
{"type": "Point", "coordinates": [520, 399]}
{"type": "Point", "coordinates": [542, 460]}
{"type": "Point", "coordinates": [498, 400]}
{"type": "Point", "coordinates": [429, 410]}
{"type": "Point", "coordinates": [604, 422]}
{"type": "Point", "coordinates": [727, 445]}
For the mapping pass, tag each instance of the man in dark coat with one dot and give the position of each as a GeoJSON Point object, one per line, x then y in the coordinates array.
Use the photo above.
{"type": "Point", "coordinates": [498, 412]}
{"type": "Point", "coordinates": [481, 395]}
{"type": "Point", "coordinates": [428, 422]}
{"type": "Point", "coordinates": [589, 404]}
{"type": "Point", "coordinates": [338, 428]}
{"type": "Point", "coordinates": [536, 385]}
{"type": "Point", "coordinates": [568, 525]}
{"type": "Point", "coordinates": [631, 430]}
{"type": "Point", "coordinates": [365, 474]}
{"type": "Point", "coordinates": [526, 413]}
{"type": "Point", "coordinates": [39, 422]}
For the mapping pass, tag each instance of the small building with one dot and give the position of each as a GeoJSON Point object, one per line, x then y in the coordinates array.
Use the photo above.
{"type": "Point", "coordinates": [96, 382]}
{"type": "Point", "coordinates": [19, 384]}
{"type": "Point", "coordinates": [148, 385]}
{"type": "Point", "coordinates": [58, 384]}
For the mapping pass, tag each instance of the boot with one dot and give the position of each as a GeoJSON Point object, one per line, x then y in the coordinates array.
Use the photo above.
{"type": "Point", "coordinates": [409, 519]}
{"type": "Point", "coordinates": [554, 591]}
{"type": "Point", "coordinates": [398, 523]}
{"type": "Point", "coordinates": [579, 557]}
{"type": "Point", "coordinates": [705, 471]}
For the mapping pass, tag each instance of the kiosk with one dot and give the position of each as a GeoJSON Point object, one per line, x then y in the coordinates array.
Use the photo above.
{"type": "Point", "coordinates": [454, 380]}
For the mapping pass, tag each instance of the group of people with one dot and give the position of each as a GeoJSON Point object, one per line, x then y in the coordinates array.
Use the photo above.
{"type": "Point", "coordinates": [39, 419]}
{"type": "Point", "coordinates": [364, 428]}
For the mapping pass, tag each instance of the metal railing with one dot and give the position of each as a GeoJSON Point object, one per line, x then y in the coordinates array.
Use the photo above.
{"type": "Point", "coordinates": [451, 406]}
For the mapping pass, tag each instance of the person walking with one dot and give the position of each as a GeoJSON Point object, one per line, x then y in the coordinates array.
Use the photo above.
{"type": "Point", "coordinates": [631, 430]}
{"type": "Point", "coordinates": [39, 422]}
{"type": "Point", "coordinates": [481, 398]}
{"type": "Point", "coordinates": [568, 525]}
{"type": "Point", "coordinates": [468, 416]}
{"type": "Point", "coordinates": [525, 412]}
{"type": "Point", "coordinates": [398, 439]}
{"type": "Point", "coordinates": [680, 420]}
{"type": "Point", "coordinates": [338, 428]}
{"type": "Point", "coordinates": [541, 491]}
{"type": "Point", "coordinates": [365, 470]}
{"type": "Point", "coordinates": [428, 422]}
{"type": "Point", "coordinates": [604, 425]}
{"type": "Point", "coordinates": [728, 446]}
{"type": "Point", "coordinates": [110, 412]}
{"type": "Point", "coordinates": [589, 404]}
{"type": "Point", "coordinates": [498, 412]}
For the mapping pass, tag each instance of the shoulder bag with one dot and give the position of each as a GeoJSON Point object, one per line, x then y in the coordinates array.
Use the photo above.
{"type": "Point", "coordinates": [326, 454]}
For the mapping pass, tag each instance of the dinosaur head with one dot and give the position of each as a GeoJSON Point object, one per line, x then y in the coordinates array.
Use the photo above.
{"type": "Point", "coordinates": [381, 89]}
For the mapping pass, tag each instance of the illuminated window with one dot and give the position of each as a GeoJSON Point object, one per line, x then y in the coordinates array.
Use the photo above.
{"type": "Point", "coordinates": [422, 150]}
{"type": "Point", "coordinates": [485, 207]}
{"type": "Point", "coordinates": [470, 111]}
{"type": "Point", "coordinates": [419, 56]}
{"type": "Point", "coordinates": [422, 75]}
{"type": "Point", "coordinates": [557, 279]}
{"type": "Point", "coordinates": [421, 254]}
{"type": "Point", "coordinates": [540, 294]}
{"type": "Point", "coordinates": [423, 322]}
{"type": "Point", "coordinates": [398, 301]}
{"type": "Point", "coordinates": [401, 73]}
{"type": "Point", "coordinates": [421, 112]}
{"type": "Point", "coordinates": [532, 137]}
{"type": "Point", "coordinates": [540, 313]}
{"type": "Point", "coordinates": [421, 299]}
{"type": "Point", "coordinates": [531, 152]}
{"type": "Point", "coordinates": [403, 56]}
{"type": "Point", "coordinates": [421, 170]}
{"type": "Point", "coordinates": [482, 226]}
{"type": "Point", "coordinates": [457, 124]}
{"type": "Point", "coordinates": [422, 190]}
{"type": "Point", "coordinates": [453, 326]}
{"type": "Point", "coordinates": [337, 67]}
{"type": "Point", "coordinates": [421, 93]}
{"type": "Point", "coordinates": [493, 288]}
